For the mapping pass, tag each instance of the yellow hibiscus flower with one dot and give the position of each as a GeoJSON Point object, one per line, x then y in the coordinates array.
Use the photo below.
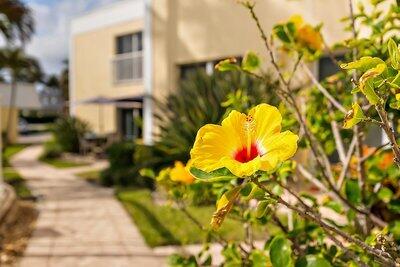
{"type": "Point", "coordinates": [306, 34]}
{"type": "Point", "coordinates": [310, 37]}
{"type": "Point", "coordinates": [180, 174]}
{"type": "Point", "coordinates": [244, 143]}
{"type": "Point", "coordinates": [297, 20]}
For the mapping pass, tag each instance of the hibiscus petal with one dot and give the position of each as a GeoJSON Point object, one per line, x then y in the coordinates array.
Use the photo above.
{"type": "Point", "coordinates": [268, 122]}
{"type": "Point", "coordinates": [211, 145]}
{"type": "Point", "coordinates": [234, 126]}
{"type": "Point", "coordinates": [279, 147]}
{"type": "Point", "coordinates": [242, 169]}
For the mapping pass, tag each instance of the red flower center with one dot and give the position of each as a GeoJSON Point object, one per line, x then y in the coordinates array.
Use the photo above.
{"type": "Point", "coordinates": [245, 155]}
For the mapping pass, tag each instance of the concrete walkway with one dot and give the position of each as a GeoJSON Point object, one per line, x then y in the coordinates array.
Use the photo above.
{"type": "Point", "coordinates": [79, 224]}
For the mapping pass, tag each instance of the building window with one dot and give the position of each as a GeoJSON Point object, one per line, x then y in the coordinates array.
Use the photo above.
{"type": "Point", "coordinates": [128, 61]}
{"type": "Point", "coordinates": [326, 67]}
{"type": "Point", "coordinates": [129, 43]}
{"type": "Point", "coordinates": [186, 70]}
{"type": "Point", "coordinates": [374, 135]}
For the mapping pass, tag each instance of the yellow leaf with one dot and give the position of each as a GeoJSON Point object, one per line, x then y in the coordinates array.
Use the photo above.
{"type": "Point", "coordinates": [367, 87]}
{"type": "Point", "coordinates": [224, 205]}
{"type": "Point", "coordinates": [353, 117]}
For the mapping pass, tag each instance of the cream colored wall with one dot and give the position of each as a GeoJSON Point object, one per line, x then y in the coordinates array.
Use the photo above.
{"type": "Point", "coordinates": [194, 31]}
{"type": "Point", "coordinates": [91, 65]}
{"type": "Point", "coordinates": [186, 32]}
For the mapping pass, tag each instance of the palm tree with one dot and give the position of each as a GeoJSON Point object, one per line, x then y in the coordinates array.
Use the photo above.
{"type": "Point", "coordinates": [16, 20]}
{"type": "Point", "coordinates": [21, 68]}
{"type": "Point", "coordinates": [64, 81]}
{"type": "Point", "coordinates": [52, 82]}
{"type": "Point", "coordinates": [64, 86]}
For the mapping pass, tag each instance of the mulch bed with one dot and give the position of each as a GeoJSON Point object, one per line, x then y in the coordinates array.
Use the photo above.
{"type": "Point", "coordinates": [16, 230]}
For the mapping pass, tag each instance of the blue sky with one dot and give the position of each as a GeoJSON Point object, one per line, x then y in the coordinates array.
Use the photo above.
{"type": "Point", "coordinates": [50, 43]}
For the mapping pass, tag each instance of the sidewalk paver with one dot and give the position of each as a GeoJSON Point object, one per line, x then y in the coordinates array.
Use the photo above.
{"type": "Point", "coordinates": [79, 224]}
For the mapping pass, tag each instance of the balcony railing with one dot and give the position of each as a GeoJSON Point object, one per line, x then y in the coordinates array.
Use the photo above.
{"type": "Point", "coordinates": [128, 67]}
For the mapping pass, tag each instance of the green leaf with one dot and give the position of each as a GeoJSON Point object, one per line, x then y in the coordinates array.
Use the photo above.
{"type": "Point", "coordinates": [217, 175]}
{"type": "Point", "coordinates": [353, 191]}
{"type": "Point", "coordinates": [354, 116]}
{"type": "Point", "coordinates": [251, 61]}
{"type": "Point", "coordinates": [232, 256]}
{"type": "Point", "coordinates": [277, 190]}
{"type": "Point", "coordinates": [246, 190]}
{"type": "Point", "coordinates": [280, 252]}
{"type": "Point", "coordinates": [291, 28]}
{"type": "Point", "coordinates": [286, 169]}
{"type": "Point", "coordinates": [281, 33]}
{"type": "Point", "coordinates": [395, 105]}
{"type": "Point", "coordinates": [393, 85]}
{"type": "Point", "coordinates": [394, 54]}
{"type": "Point", "coordinates": [394, 228]}
{"type": "Point", "coordinates": [351, 215]}
{"type": "Point", "coordinates": [147, 173]}
{"type": "Point", "coordinates": [258, 259]}
{"type": "Point", "coordinates": [256, 193]}
{"type": "Point", "coordinates": [355, 90]}
{"type": "Point", "coordinates": [394, 206]}
{"type": "Point", "coordinates": [310, 197]}
{"type": "Point", "coordinates": [176, 260]}
{"type": "Point", "coordinates": [227, 65]}
{"type": "Point", "coordinates": [313, 261]}
{"type": "Point", "coordinates": [262, 208]}
{"type": "Point", "coordinates": [335, 206]}
{"type": "Point", "coordinates": [363, 64]}
{"type": "Point", "coordinates": [385, 194]}
{"type": "Point", "coordinates": [369, 92]}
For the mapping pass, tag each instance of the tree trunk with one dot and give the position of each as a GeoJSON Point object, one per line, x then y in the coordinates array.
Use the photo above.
{"type": "Point", "coordinates": [11, 109]}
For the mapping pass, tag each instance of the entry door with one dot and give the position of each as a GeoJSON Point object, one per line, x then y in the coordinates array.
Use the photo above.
{"type": "Point", "coordinates": [129, 120]}
{"type": "Point", "coordinates": [127, 123]}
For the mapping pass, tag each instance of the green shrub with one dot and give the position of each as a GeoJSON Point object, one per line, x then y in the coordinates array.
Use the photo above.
{"type": "Point", "coordinates": [68, 131]}
{"type": "Point", "coordinates": [196, 102]}
{"type": "Point", "coordinates": [124, 177]}
{"type": "Point", "coordinates": [120, 154]}
{"type": "Point", "coordinates": [122, 170]}
{"type": "Point", "coordinates": [52, 150]}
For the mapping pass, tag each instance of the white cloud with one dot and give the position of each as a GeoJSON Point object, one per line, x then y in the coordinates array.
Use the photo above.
{"type": "Point", "coordinates": [51, 41]}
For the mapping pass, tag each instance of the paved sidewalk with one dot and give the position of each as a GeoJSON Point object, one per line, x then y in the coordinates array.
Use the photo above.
{"type": "Point", "coordinates": [79, 224]}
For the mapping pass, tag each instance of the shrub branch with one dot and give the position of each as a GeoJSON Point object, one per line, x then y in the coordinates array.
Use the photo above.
{"type": "Point", "coordinates": [389, 132]}
{"type": "Point", "coordinates": [309, 214]}
{"type": "Point", "coordinates": [317, 151]}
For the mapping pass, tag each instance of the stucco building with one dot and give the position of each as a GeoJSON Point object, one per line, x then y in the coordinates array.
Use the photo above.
{"type": "Point", "coordinates": [133, 50]}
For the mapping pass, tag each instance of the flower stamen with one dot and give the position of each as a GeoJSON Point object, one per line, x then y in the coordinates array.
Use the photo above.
{"type": "Point", "coordinates": [248, 128]}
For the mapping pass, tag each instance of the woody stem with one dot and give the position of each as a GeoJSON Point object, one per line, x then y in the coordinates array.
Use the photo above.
{"type": "Point", "coordinates": [309, 214]}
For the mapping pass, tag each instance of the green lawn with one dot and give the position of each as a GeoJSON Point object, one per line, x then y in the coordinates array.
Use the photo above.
{"type": "Point", "coordinates": [90, 176]}
{"type": "Point", "coordinates": [62, 163]}
{"type": "Point", "coordinates": [17, 182]}
{"type": "Point", "coordinates": [10, 151]}
{"type": "Point", "coordinates": [11, 176]}
{"type": "Point", "coordinates": [165, 225]}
